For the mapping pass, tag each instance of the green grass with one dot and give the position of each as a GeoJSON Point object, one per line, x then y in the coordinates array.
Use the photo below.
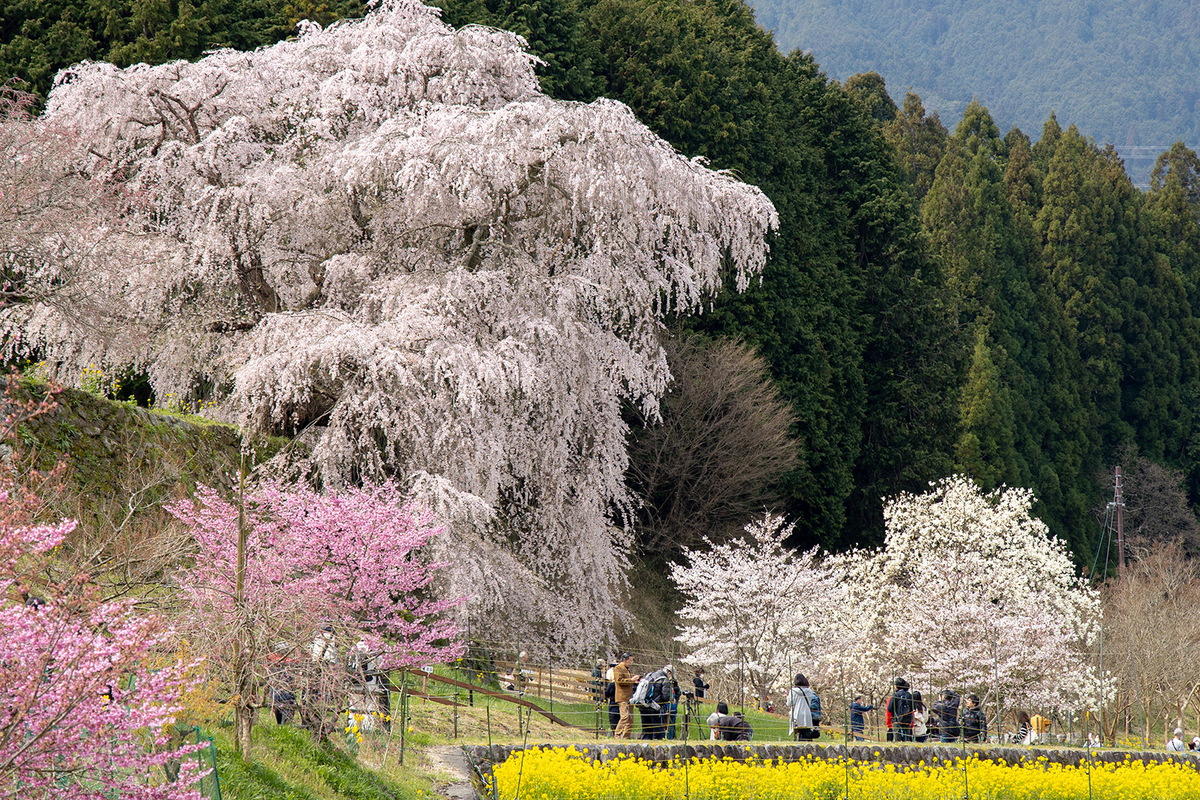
{"type": "Point", "coordinates": [286, 764]}
{"type": "Point", "coordinates": [477, 726]}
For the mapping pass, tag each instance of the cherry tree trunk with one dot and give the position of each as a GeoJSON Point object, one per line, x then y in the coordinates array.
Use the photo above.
{"type": "Point", "coordinates": [243, 715]}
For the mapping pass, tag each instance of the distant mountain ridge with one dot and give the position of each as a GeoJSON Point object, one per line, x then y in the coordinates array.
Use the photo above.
{"type": "Point", "coordinates": [1123, 72]}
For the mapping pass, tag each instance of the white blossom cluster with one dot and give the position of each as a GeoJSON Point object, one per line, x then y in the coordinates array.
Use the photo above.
{"type": "Point", "coordinates": [754, 607]}
{"type": "Point", "coordinates": [968, 592]}
{"type": "Point", "coordinates": [382, 232]}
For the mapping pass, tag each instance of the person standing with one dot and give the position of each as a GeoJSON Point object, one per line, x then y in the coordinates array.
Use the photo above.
{"type": "Point", "coordinates": [974, 724]}
{"type": "Point", "coordinates": [920, 730]}
{"type": "Point", "coordinates": [673, 706]}
{"type": "Point", "coordinates": [610, 697]}
{"type": "Point", "coordinates": [1024, 734]}
{"type": "Point", "coordinates": [1176, 744]}
{"type": "Point", "coordinates": [625, 682]}
{"type": "Point", "coordinates": [857, 724]}
{"type": "Point", "coordinates": [596, 688]}
{"type": "Point", "coordinates": [947, 714]}
{"type": "Point", "coordinates": [653, 707]}
{"type": "Point", "coordinates": [803, 710]}
{"type": "Point", "coordinates": [699, 683]}
{"type": "Point", "coordinates": [900, 706]}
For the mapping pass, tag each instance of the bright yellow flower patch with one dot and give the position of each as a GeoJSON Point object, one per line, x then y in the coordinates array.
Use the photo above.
{"type": "Point", "coordinates": [566, 774]}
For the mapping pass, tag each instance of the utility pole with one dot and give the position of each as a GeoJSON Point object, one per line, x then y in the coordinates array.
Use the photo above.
{"type": "Point", "coordinates": [1119, 503]}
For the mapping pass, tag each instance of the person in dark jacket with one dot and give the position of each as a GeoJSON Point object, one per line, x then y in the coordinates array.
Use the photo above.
{"type": "Point", "coordinates": [974, 723]}
{"type": "Point", "coordinates": [946, 711]}
{"type": "Point", "coordinates": [698, 682]}
{"type": "Point", "coordinates": [857, 709]}
{"type": "Point", "coordinates": [735, 728]}
{"type": "Point", "coordinates": [673, 708]}
{"type": "Point", "coordinates": [900, 706]}
{"type": "Point", "coordinates": [610, 697]}
{"type": "Point", "coordinates": [654, 710]}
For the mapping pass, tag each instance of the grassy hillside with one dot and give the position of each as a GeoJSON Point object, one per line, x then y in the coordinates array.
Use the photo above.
{"type": "Point", "coordinates": [289, 765]}
{"type": "Point", "coordinates": [121, 465]}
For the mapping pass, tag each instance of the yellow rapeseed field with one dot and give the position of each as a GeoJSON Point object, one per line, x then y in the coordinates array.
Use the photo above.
{"type": "Point", "coordinates": [566, 774]}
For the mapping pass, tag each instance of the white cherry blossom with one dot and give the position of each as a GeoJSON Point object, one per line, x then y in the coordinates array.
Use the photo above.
{"type": "Point", "coordinates": [382, 231]}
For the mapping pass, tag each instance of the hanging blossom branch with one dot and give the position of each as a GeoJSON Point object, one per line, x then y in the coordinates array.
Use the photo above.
{"type": "Point", "coordinates": [384, 230]}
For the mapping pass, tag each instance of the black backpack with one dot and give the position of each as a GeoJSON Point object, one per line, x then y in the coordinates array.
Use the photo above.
{"type": "Point", "coordinates": [902, 708]}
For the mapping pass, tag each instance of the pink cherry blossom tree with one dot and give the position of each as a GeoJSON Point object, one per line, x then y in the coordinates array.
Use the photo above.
{"type": "Point", "coordinates": [383, 233]}
{"type": "Point", "coordinates": [320, 576]}
{"type": "Point", "coordinates": [82, 712]}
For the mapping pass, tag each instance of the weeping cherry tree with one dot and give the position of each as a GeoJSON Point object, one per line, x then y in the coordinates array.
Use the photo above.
{"type": "Point", "coordinates": [383, 235]}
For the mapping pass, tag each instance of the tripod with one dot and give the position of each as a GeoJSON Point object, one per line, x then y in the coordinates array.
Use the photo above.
{"type": "Point", "coordinates": [691, 708]}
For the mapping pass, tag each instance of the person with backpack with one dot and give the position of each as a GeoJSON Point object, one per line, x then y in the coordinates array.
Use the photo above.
{"type": "Point", "coordinates": [946, 711]}
{"type": "Point", "coordinates": [652, 696]}
{"type": "Point", "coordinates": [900, 706]}
{"type": "Point", "coordinates": [662, 699]}
{"type": "Point", "coordinates": [804, 710]}
{"type": "Point", "coordinates": [974, 723]}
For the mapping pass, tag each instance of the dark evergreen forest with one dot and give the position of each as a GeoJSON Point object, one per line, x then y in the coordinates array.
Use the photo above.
{"type": "Point", "coordinates": [938, 299]}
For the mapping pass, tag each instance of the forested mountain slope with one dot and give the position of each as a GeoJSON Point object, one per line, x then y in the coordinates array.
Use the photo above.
{"type": "Point", "coordinates": [1123, 72]}
{"type": "Point", "coordinates": [1019, 312]}
{"type": "Point", "coordinates": [935, 301]}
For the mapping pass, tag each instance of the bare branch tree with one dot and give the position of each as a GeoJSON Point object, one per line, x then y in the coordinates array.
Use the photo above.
{"type": "Point", "coordinates": [717, 454]}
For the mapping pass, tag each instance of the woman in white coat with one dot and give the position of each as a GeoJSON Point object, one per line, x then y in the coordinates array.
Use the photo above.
{"type": "Point", "coordinates": [800, 700]}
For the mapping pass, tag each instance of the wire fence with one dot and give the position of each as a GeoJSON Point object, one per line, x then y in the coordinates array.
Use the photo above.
{"type": "Point", "coordinates": [499, 693]}
{"type": "Point", "coordinates": [570, 693]}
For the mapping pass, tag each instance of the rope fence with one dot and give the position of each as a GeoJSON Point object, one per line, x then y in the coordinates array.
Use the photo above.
{"type": "Point", "coordinates": [509, 684]}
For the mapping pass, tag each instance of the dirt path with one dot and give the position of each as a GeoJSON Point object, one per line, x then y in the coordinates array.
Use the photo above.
{"type": "Point", "coordinates": [450, 761]}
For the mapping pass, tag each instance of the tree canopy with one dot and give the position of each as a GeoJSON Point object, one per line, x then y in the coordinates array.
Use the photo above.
{"type": "Point", "coordinates": [934, 300]}
{"type": "Point", "coordinates": [381, 232]}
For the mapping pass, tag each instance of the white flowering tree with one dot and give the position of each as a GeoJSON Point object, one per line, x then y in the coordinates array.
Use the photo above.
{"type": "Point", "coordinates": [383, 234]}
{"type": "Point", "coordinates": [970, 591]}
{"type": "Point", "coordinates": [754, 607]}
